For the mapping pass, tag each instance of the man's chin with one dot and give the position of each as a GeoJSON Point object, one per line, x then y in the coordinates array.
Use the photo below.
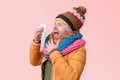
{"type": "Point", "coordinates": [56, 37]}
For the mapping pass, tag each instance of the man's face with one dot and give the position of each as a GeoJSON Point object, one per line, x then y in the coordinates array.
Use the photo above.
{"type": "Point", "coordinates": [58, 30]}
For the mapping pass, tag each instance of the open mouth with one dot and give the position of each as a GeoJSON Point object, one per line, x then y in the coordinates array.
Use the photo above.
{"type": "Point", "coordinates": [56, 33]}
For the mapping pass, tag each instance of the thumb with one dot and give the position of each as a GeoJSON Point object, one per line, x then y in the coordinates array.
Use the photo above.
{"type": "Point", "coordinates": [45, 51]}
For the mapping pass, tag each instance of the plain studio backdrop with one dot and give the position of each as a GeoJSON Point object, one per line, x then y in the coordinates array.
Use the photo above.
{"type": "Point", "coordinates": [101, 30]}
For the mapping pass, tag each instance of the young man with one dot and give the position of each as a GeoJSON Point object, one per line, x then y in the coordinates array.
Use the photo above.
{"type": "Point", "coordinates": [63, 56]}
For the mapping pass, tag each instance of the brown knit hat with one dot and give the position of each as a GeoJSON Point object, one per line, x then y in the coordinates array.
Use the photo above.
{"type": "Point", "coordinates": [73, 18]}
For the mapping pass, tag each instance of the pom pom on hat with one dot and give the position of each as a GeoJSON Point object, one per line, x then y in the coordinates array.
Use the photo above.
{"type": "Point", "coordinates": [82, 9]}
{"type": "Point", "coordinates": [73, 18]}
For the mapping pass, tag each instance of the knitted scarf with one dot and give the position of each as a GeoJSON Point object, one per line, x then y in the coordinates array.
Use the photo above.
{"type": "Point", "coordinates": [66, 41]}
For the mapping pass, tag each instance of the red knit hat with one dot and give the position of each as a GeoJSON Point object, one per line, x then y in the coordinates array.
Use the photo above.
{"type": "Point", "coordinates": [73, 18]}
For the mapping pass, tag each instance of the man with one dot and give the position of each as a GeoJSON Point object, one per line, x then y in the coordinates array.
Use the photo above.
{"type": "Point", "coordinates": [63, 56]}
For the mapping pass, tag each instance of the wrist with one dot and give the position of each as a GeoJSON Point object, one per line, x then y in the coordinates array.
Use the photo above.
{"type": "Point", "coordinates": [37, 42]}
{"type": "Point", "coordinates": [53, 51]}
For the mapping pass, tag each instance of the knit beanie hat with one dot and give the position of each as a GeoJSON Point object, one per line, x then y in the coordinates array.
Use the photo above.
{"type": "Point", "coordinates": [73, 18]}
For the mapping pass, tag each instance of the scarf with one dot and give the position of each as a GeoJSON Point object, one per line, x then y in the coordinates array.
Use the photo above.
{"type": "Point", "coordinates": [67, 44]}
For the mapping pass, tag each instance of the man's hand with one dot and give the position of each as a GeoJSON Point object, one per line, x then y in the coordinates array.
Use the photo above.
{"type": "Point", "coordinates": [51, 46]}
{"type": "Point", "coordinates": [38, 35]}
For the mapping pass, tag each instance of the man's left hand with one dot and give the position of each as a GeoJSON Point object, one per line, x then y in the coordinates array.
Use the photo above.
{"type": "Point", "coordinates": [52, 46]}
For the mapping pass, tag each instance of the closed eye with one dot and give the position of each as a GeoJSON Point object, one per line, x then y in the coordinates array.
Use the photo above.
{"type": "Point", "coordinates": [60, 24]}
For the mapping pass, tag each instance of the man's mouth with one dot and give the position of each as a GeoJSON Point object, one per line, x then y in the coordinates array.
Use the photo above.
{"type": "Point", "coordinates": [56, 33]}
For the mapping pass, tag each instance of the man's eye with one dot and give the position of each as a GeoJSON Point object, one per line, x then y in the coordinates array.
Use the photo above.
{"type": "Point", "coordinates": [54, 23]}
{"type": "Point", "coordinates": [60, 24]}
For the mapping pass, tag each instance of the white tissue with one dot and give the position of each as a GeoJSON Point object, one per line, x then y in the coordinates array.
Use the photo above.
{"type": "Point", "coordinates": [44, 26]}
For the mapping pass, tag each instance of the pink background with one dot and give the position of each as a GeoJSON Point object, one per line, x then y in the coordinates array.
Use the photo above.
{"type": "Point", "coordinates": [19, 19]}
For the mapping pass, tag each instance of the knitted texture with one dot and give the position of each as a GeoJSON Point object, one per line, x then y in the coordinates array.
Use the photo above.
{"type": "Point", "coordinates": [67, 45]}
{"type": "Point", "coordinates": [73, 18]}
{"type": "Point", "coordinates": [76, 44]}
{"type": "Point", "coordinates": [66, 41]}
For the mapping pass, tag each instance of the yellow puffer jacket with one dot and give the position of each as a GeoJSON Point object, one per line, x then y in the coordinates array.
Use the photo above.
{"type": "Point", "coordinates": [68, 67]}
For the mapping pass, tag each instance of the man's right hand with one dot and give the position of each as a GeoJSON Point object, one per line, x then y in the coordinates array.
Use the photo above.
{"type": "Point", "coordinates": [38, 35]}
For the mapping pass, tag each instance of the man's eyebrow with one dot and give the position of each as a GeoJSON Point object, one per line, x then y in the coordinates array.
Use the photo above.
{"type": "Point", "coordinates": [59, 23]}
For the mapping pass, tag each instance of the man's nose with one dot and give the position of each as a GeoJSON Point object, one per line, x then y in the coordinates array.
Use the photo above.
{"type": "Point", "coordinates": [55, 27]}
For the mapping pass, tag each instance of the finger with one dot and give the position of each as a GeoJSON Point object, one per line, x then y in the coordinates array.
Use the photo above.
{"type": "Point", "coordinates": [45, 49]}
{"type": "Point", "coordinates": [58, 42]}
{"type": "Point", "coordinates": [51, 41]}
{"type": "Point", "coordinates": [38, 34]}
{"type": "Point", "coordinates": [38, 31]}
{"type": "Point", "coordinates": [48, 42]}
{"type": "Point", "coordinates": [47, 46]}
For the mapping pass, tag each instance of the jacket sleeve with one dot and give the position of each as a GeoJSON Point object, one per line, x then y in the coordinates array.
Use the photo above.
{"type": "Point", "coordinates": [71, 69]}
{"type": "Point", "coordinates": [35, 54]}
